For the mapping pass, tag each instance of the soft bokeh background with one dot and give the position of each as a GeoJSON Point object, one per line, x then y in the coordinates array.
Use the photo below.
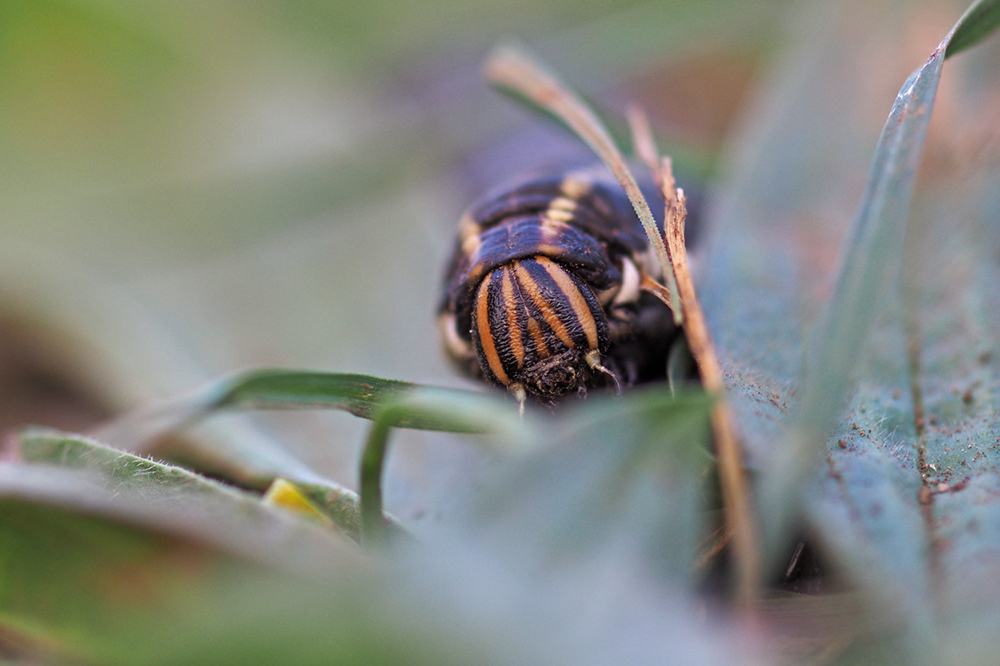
{"type": "Point", "coordinates": [195, 188]}
{"type": "Point", "coordinates": [191, 189]}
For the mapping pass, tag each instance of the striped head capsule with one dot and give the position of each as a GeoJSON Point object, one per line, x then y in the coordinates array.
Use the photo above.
{"type": "Point", "coordinates": [546, 291]}
{"type": "Point", "coordinates": [538, 329]}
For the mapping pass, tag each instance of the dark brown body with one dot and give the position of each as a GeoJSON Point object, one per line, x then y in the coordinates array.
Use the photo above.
{"type": "Point", "coordinates": [543, 295]}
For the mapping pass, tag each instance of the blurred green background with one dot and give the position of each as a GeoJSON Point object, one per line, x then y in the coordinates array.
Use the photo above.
{"type": "Point", "coordinates": [191, 189]}
{"type": "Point", "coordinates": [146, 137]}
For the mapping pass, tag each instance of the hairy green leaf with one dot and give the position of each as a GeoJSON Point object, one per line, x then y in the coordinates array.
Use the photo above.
{"type": "Point", "coordinates": [92, 536]}
{"type": "Point", "coordinates": [388, 403]}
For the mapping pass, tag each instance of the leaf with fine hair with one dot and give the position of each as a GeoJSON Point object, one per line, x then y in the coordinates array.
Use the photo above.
{"type": "Point", "coordinates": [388, 403]}
{"type": "Point", "coordinates": [92, 538]}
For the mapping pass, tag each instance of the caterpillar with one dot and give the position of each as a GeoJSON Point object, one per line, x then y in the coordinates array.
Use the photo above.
{"type": "Point", "coordinates": [549, 290]}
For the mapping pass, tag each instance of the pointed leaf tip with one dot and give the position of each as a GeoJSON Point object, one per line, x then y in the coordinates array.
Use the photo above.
{"type": "Point", "coordinates": [979, 22]}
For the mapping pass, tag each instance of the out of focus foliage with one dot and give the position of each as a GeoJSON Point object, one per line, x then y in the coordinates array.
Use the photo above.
{"type": "Point", "coordinates": [194, 188]}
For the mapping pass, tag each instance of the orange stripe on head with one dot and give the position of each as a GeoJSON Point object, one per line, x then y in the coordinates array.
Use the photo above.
{"type": "Point", "coordinates": [548, 314]}
{"type": "Point", "coordinates": [536, 334]}
{"type": "Point", "coordinates": [486, 342]}
{"type": "Point", "coordinates": [516, 344]}
{"type": "Point", "coordinates": [576, 299]}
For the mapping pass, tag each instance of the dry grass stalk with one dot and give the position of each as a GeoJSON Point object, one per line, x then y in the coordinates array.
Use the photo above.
{"type": "Point", "coordinates": [736, 494]}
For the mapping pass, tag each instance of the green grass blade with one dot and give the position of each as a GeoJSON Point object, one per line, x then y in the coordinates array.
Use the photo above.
{"type": "Point", "coordinates": [514, 72]}
{"type": "Point", "coordinates": [871, 261]}
{"type": "Point", "coordinates": [360, 395]}
{"type": "Point", "coordinates": [468, 413]}
{"type": "Point", "coordinates": [978, 23]}
{"type": "Point", "coordinates": [388, 403]}
{"type": "Point", "coordinates": [279, 389]}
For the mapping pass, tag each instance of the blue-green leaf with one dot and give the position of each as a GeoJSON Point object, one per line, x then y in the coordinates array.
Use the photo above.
{"type": "Point", "coordinates": [873, 385]}
{"type": "Point", "coordinates": [618, 478]}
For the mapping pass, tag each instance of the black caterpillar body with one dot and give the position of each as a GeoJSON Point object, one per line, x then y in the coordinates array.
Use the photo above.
{"type": "Point", "coordinates": [544, 292]}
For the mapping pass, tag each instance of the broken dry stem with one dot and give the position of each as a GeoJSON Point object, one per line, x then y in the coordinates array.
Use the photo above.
{"type": "Point", "coordinates": [732, 477]}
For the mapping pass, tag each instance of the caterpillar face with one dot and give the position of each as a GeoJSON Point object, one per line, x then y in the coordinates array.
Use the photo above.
{"type": "Point", "coordinates": [537, 328]}
{"type": "Point", "coordinates": [543, 290]}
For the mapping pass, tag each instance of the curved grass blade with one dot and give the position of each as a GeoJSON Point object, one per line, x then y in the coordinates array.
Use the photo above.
{"type": "Point", "coordinates": [468, 412]}
{"type": "Point", "coordinates": [978, 23]}
{"type": "Point", "coordinates": [252, 463]}
{"type": "Point", "coordinates": [869, 268]}
{"type": "Point", "coordinates": [513, 72]}
{"type": "Point", "coordinates": [388, 403]}
{"type": "Point", "coordinates": [360, 395]}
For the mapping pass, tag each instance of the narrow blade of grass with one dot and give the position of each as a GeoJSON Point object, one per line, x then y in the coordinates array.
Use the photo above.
{"type": "Point", "coordinates": [513, 72]}
{"type": "Point", "coordinates": [388, 403]}
{"type": "Point", "coordinates": [461, 413]}
{"type": "Point", "coordinates": [978, 23]}
{"type": "Point", "coordinates": [360, 395]}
